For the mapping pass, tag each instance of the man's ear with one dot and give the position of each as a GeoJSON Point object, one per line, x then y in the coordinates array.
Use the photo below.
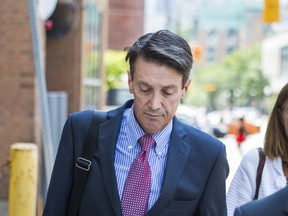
{"type": "Point", "coordinates": [186, 87]}
{"type": "Point", "coordinates": [130, 82]}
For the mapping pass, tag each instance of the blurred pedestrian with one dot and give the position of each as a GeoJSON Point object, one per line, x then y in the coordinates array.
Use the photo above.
{"type": "Point", "coordinates": [221, 129]}
{"type": "Point", "coordinates": [241, 132]}
{"type": "Point", "coordinates": [274, 175]}
{"type": "Point", "coordinates": [147, 161]}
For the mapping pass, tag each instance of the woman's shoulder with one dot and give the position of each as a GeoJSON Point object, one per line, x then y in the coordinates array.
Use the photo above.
{"type": "Point", "coordinates": [251, 154]}
{"type": "Point", "coordinates": [251, 158]}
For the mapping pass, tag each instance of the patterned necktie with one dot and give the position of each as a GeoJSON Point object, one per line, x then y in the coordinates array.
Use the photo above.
{"type": "Point", "coordinates": [137, 186]}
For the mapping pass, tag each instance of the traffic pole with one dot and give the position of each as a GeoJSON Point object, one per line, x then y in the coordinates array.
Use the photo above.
{"type": "Point", "coordinates": [23, 179]}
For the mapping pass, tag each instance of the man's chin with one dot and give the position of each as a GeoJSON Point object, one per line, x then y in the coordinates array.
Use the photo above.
{"type": "Point", "coordinates": [152, 128]}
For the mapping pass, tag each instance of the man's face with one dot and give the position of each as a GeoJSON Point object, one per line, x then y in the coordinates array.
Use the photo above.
{"type": "Point", "coordinates": [157, 93]}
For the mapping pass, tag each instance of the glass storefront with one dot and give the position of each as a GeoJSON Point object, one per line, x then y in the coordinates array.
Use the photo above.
{"type": "Point", "coordinates": [93, 78]}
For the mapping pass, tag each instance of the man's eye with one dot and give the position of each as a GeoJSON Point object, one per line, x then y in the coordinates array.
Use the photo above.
{"type": "Point", "coordinates": [145, 90]}
{"type": "Point", "coordinates": [167, 93]}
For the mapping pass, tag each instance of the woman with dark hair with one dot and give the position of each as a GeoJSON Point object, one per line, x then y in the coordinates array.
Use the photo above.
{"type": "Point", "coordinates": [275, 171]}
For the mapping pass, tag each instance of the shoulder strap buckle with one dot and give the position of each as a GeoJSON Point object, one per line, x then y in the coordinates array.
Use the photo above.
{"type": "Point", "coordinates": [83, 164]}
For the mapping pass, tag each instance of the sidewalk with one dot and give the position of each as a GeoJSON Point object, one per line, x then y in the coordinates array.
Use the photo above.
{"type": "Point", "coordinates": [3, 207]}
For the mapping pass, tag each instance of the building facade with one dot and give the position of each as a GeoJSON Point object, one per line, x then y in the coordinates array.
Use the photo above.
{"type": "Point", "coordinates": [73, 40]}
{"type": "Point", "coordinates": [64, 49]}
{"type": "Point", "coordinates": [212, 30]}
{"type": "Point", "coordinates": [275, 60]}
{"type": "Point", "coordinates": [126, 23]}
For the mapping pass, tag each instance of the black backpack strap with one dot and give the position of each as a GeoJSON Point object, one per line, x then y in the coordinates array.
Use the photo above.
{"type": "Point", "coordinates": [83, 163]}
{"type": "Point", "coordinates": [262, 158]}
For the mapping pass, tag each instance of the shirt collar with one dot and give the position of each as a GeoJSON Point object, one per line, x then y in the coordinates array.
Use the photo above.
{"type": "Point", "coordinates": [134, 132]}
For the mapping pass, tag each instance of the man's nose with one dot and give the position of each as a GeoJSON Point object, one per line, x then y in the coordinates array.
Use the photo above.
{"type": "Point", "coordinates": [155, 101]}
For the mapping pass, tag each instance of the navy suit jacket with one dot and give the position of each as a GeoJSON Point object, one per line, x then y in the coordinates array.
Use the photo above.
{"type": "Point", "coordinates": [194, 181]}
{"type": "Point", "coordinates": [273, 205]}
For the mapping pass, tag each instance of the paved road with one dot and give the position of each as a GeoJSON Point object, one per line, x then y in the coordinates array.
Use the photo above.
{"type": "Point", "coordinates": [234, 154]}
{"type": "Point", "coordinates": [3, 208]}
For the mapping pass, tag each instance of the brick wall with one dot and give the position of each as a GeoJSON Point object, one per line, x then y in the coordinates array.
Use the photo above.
{"type": "Point", "coordinates": [126, 22]}
{"type": "Point", "coordinates": [63, 69]}
{"type": "Point", "coordinates": [64, 65]}
{"type": "Point", "coordinates": [18, 105]}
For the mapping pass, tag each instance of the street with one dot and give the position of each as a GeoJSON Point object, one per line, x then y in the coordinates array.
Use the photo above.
{"type": "Point", "coordinates": [234, 154]}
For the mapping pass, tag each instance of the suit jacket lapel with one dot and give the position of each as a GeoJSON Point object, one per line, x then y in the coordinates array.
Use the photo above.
{"type": "Point", "coordinates": [177, 157]}
{"type": "Point", "coordinates": [107, 141]}
{"type": "Point", "coordinates": [108, 134]}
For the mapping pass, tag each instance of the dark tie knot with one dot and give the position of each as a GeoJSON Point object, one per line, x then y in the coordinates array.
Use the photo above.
{"type": "Point", "coordinates": [146, 142]}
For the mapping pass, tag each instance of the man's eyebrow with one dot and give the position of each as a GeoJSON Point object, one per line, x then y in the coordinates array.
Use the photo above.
{"type": "Point", "coordinates": [148, 84]}
{"type": "Point", "coordinates": [171, 86]}
{"type": "Point", "coordinates": [142, 83]}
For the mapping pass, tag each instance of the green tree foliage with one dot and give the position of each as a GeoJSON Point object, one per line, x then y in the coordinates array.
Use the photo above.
{"type": "Point", "coordinates": [248, 81]}
{"type": "Point", "coordinates": [115, 69]}
{"type": "Point", "coordinates": [238, 80]}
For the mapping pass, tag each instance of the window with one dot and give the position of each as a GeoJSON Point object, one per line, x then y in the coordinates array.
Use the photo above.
{"type": "Point", "coordinates": [211, 45]}
{"type": "Point", "coordinates": [232, 40]}
{"type": "Point", "coordinates": [93, 55]}
{"type": "Point", "coordinates": [284, 62]}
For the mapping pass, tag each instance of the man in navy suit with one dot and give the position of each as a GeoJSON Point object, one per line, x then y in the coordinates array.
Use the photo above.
{"type": "Point", "coordinates": [274, 205]}
{"type": "Point", "coordinates": [188, 167]}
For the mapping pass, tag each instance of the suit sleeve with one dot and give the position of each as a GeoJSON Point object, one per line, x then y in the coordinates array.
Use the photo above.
{"type": "Point", "coordinates": [62, 175]}
{"type": "Point", "coordinates": [238, 212]}
{"type": "Point", "coordinates": [213, 201]}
